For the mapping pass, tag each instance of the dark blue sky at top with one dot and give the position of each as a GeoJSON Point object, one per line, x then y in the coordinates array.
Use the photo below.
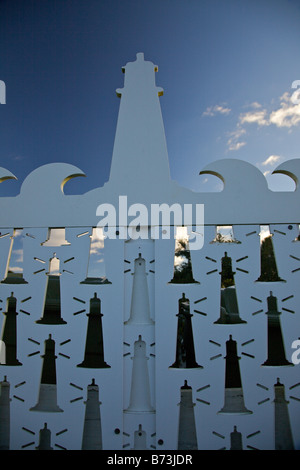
{"type": "Point", "coordinates": [61, 62]}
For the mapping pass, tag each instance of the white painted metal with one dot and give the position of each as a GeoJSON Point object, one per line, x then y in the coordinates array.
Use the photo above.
{"type": "Point", "coordinates": [140, 171]}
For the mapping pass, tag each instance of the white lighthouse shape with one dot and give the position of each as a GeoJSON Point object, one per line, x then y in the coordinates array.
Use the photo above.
{"type": "Point", "coordinates": [56, 237]}
{"type": "Point", "coordinates": [140, 401]}
{"type": "Point", "coordinates": [234, 396]}
{"type": "Point", "coordinates": [283, 432]}
{"type": "Point", "coordinates": [47, 397]}
{"type": "Point", "coordinates": [187, 436]}
{"type": "Point", "coordinates": [140, 305]}
{"type": "Point", "coordinates": [140, 134]}
{"type": "Point", "coordinates": [92, 432]}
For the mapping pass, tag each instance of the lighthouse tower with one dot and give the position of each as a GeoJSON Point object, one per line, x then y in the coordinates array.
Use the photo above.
{"type": "Point", "coordinates": [140, 305]}
{"type": "Point", "coordinates": [140, 132]}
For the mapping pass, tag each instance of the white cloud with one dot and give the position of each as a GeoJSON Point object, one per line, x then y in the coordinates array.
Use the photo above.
{"type": "Point", "coordinates": [271, 160]}
{"type": "Point", "coordinates": [255, 104]}
{"type": "Point", "coordinates": [15, 269]}
{"type": "Point", "coordinates": [18, 255]}
{"type": "Point", "coordinates": [96, 246]}
{"type": "Point", "coordinates": [288, 114]}
{"type": "Point", "coordinates": [233, 141]}
{"type": "Point", "coordinates": [260, 117]}
{"type": "Point", "coordinates": [56, 237]}
{"type": "Point", "coordinates": [264, 232]}
{"type": "Point", "coordinates": [213, 110]}
{"type": "Point", "coordinates": [222, 110]}
{"type": "Point", "coordinates": [97, 241]}
{"type": "Point", "coordinates": [237, 145]}
{"type": "Point", "coordinates": [285, 115]}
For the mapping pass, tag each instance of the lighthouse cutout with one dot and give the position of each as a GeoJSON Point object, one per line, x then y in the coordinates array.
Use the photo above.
{"type": "Point", "coordinates": [140, 305]}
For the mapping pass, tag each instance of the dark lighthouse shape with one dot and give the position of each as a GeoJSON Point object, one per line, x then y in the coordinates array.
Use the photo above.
{"type": "Point", "coordinates": [47, 399]}
{"type": "Point", "coordinates": [185, 350]}
{"type": "Point", "coordinates": [229, 309]}
{"type": "Point", "coordinates": [9, 334]}
{"type": "Point", "coordinates": [94, 348]}
{"type": "Point", "coordinates": [276, 352]}
{"type": "Point", "coordinates": [234, 397]}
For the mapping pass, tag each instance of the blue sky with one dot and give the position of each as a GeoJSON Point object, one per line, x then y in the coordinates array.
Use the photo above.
{"type": "Point", "coordinates": [226, 67]}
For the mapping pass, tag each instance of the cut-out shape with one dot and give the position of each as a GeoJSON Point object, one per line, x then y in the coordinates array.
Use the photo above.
{"type": "Point", "coordinates": [8, 351]}
{"type": "Point", "coordinates": [185, 350]}
{"type": "Point", "coordinates": [236, 441]}
{"type": "Point", "coordinates": [297, 239]}
{"type": "Point", "coordinates": [47, 398]}
{"type": "Point", "coordinates": [224, 234]}
{"type": "Point", "coordinates": [44, 439]}
{"type": "Point", "coordinates": [187, 435]}
{"type": "Point", "coordinates": [234, 397]}
{"type": "Point", "coordinates": [92, 431]}
{"type": "Point", "coordinates": [96, 273]}
{"type": "Point", "coordinates": [229, 309]}
{"type": "Point", "coordinates": [140, 400]}
{"type": "Point", "coordinates": [227, 274]}
{"type": "Point", "coordinates": [14, 266]}
{"type": "Point", "coordinates": [183, 271]}
{"type": "Point", "coordinates": [56, 237]}
{"type": "Point", "coordinates": [140, 439]}
{"type": "Point", "coordinates": [276, 351]}
{"type": "Point", "coordinates": [4, 414]}
{"type": "Point", "coordinates": [52, 305]}
{"type": "Point", "coordinates": [139, 133]}
{"type": "Point", "coordinates": [140, 305]}
{"type": "Point", "coordinates": [94, 348]}
{"type": "Point", "coordinates": [268, 265]}
{"type": "Point", "coordinates": [283, 432]}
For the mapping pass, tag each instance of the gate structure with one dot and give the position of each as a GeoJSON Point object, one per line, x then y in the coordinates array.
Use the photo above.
{"type": "Point", "coordinates": [122, 329]}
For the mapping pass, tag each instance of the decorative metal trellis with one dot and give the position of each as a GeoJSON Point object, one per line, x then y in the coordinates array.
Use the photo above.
{"type": "Point", "coordinates": [144, 343]}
